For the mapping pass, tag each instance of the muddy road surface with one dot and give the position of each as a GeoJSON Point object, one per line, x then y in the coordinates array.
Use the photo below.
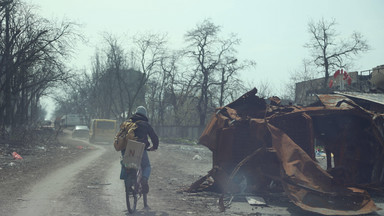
{"type": "Point", "coordinates": [83, 179]}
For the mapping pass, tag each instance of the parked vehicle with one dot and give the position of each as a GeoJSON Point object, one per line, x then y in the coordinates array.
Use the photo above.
{"type": "Point", "coordinates": [102, 130]}
{"type": "Point", "coordinates": [72, 120]}
{"type": "Point", "coordinates": [80, 131]}
{"type": "Point", "coordinates": [47, 122]}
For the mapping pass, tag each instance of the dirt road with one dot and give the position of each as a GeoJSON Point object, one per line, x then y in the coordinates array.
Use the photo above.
{"type": "Point", "coordinates": [90, 184]}
{"type": "Point", "coordinates": [87, 183]}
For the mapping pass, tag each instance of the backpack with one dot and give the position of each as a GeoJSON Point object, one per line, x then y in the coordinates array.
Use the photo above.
{"type": "Point", "coordinates": [127, 131]}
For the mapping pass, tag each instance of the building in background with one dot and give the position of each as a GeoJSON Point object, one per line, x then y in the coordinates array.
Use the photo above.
{"type": "Point", "coordinates": [368, 81]}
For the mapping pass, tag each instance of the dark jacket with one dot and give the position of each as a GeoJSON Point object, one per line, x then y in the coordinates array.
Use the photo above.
{"type": "Point", "coordinates": [143, 130]}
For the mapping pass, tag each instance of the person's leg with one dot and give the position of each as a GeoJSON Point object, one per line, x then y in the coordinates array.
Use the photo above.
{"type": "Point", "coordinates": [145, 166]}
{"type": "Point", "coordinates": [146, 171]}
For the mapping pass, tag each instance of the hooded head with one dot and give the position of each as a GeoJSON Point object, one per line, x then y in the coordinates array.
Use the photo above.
{"type": "Point", "coordinates": [141, 110]}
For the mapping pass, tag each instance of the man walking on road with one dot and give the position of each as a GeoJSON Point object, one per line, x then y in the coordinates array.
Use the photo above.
{"type": "Point", "coordinates": [143, 130]}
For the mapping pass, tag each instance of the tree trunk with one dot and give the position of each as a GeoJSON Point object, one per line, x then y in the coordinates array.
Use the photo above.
{"type": "Point", "coordinates": [221, 100]}
{"type": "Point", "coordinates": [326, 66]}
{"type": "Point", "coordinates": [8, 74]}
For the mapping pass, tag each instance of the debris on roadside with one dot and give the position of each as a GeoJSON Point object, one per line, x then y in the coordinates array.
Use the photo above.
{"type": "Point", "coordinates": [16, 156]}
{"type": "Point", "coordinates": [80, 147]}
{"type": "Point", "coordinates": [196, 157]}
{"type": "Point", "coordinates": [256, 200]}
{"type": "Point", "coordinates": [41, 148]}
{"type": "Point", "coordinates": [260, 142]}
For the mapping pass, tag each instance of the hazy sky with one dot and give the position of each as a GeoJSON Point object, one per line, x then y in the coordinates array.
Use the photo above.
{"type": "Point", "coordinates": [273, 32]}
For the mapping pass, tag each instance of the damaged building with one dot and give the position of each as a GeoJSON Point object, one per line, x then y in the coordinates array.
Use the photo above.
{"type": "Point", "coordinates": [365, 81]}
{"type": "Point", "coordinates": [267, 142]}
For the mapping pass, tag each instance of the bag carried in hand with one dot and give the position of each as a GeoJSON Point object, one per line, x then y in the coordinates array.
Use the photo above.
{"type": "Point", "coordinates": [127, 131]}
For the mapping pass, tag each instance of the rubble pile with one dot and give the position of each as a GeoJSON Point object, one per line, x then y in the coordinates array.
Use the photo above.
{"type": "Point", "coordinates": [259, 143]}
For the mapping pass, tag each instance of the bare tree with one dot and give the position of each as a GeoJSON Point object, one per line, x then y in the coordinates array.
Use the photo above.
{"type": "Point", "coordinates": [209, 51]}
{"type": "Point", "coordinates": [115, 88]}
{"type": "Point", "coordinates": [75, 96]}
{"type": "Point", "coordinates": [33, 51]}
{"type": "Point", "coordinates": [116, 66]}
{"type": "Point", "coordinates": [229, 82]}
{"type": "Point", "coordinates": [306, 74]}
{"type": "Point", "coordinates": [113, 81]}
{"type": "Point", "coordinates": [264, 89]}
{"type": "Point", "coordinates": [181, 90]}
{"type": "Point", "coordinates": [157, 90]}
{"type": "Point", "coordinates": [149, 50]}
{"type": "Point", "coordinates": [328, 53]}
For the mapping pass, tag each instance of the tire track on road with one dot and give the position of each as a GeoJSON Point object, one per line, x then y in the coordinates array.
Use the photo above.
{"type": "Point", "coordinates": [45, 198]}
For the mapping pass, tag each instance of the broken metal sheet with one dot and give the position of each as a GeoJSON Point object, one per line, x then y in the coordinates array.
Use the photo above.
{"type": "Point", "coordinates": [371, 101]}
{"type": "Point", "coordinates": [373, 97]}
{"type": "Point", "coordinates": [333, 100]}
{"type": "Point", "coordinates": [286, 135]}
{"type": "Point", "coordinates": [312, 188]}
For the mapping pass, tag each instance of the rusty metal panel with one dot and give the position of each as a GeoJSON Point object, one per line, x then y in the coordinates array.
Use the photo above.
{"type": "Point", "coordinates": [312, 188]}
{"type": "Point", "coordinates": [283, 137]}
{"type": "Point", "coordinates": [299, 128]}
{"type": "Point", "coordinates": [329, 100]}
{"type": "Point", "coordinates": [370, 101]}
{"type": "Point", "coordinates": [373, 97]}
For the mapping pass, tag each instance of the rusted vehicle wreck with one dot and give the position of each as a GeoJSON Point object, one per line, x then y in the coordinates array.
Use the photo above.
{"type": "Point", "coordinates": [270, 142]}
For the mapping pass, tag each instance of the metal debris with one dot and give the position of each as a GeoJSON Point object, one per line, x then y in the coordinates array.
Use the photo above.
{"type": "Point", "coordinates": [255, 200]}
{"type": "Point", "coordinates": [270, 142]}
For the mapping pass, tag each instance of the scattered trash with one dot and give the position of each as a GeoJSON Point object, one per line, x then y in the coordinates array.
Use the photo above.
{"type": "Point", "coordinates": [21, 199]}
{"type": "Point", "coordinates": [80, 147]}
{"type": "Point", "coordinates": [11, 164]}
{"type": "Point", "coordinates": [40, 147]}
{"type": "Point", "coordinates": [196, 157]}
{"type": "Point", "coordinates": [254, 200]}
{"type": "Point", "coordinates": [16, 156]}
{"type": "Point", "coordinates": [97, 183]}
{"type": "Point", "coordinates": [63, 147]}
{"type": "Point", "coordinates": [104, 184]}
